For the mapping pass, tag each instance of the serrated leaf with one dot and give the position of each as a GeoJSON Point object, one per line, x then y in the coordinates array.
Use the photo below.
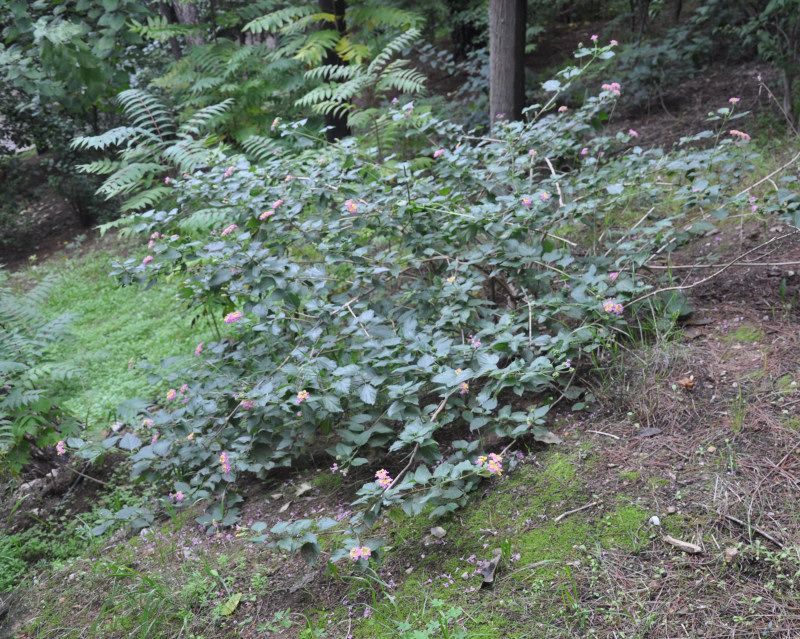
{"type": "Point", "coordinates": [368, 394]}
{"type": "Point", "coordinates": [130, 442]}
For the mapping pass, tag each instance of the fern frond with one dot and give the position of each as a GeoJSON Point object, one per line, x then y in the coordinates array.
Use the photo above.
{"type": "Point", "coordinates": [396, 46]}
{"type": "Point", "coordinates": [128, 178]}
{"type": "Point", "coordinates": [351, 51]}
{"type": "Point", "coordinates": [146, 112]}
{"type": "Point", "coordinates": [113, 137]}
{"type": "Point", "coordinates": [159, 28]}
{"type": "Point", "coordinates": [147, 199]}
{"type": "Point", "coordinates": [259, 148]}
{"type": "Point", "coordinates": [187, 154]}
{"type": "Point", "coordinates": [333, 72]}
{"type": "Point", "coordinates": [317, 45]}
{"type": "Point", "coordinates": [272, 22]}
{"type": "Point", "coordinates": [205, 220]}
{"type": "Point", "coordinates": [332, 107]}
{"type": "Point", "coordinates": [99, 167]}
{"type": "Point", "coordinates": [408, 81]}
{"type": "Point", "coordinates": [204, 118]}
{"type": "Point", "coordinates": [382, 16]}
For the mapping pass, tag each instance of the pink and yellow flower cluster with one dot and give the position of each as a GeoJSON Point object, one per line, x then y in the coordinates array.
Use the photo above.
{"type": "Point", "coordinates": [360, 553]}
{"type": "Point", "coordinates": [493, 463]}
{"type": "Point", "coordinates": [383, 478]}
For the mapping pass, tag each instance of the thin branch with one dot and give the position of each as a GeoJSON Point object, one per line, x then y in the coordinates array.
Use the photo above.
{"type": "Point", "coordinates": [754, 529]}
{"type": "Point", "coordinates": [402, 473]}
{"type": "Point", "coordinates": [600, 432]}
{"type": "Point", "coordinates": [664, 267]}
{"type": "Point", "coordinates": [684, 287]}
{"type": "Point", "coordinates": [558, 187]}
{"type": "Point", "coordinates": [576, 510]}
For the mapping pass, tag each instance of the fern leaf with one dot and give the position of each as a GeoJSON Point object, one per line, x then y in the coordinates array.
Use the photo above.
{"type": "Point", "coordinates": [147, 199]}
{"type": "Point", "coordinates": [273, 22]}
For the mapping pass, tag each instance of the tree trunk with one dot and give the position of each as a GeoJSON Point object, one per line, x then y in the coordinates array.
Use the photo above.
{"type": "Point", "coordinates": [187, 13]}
{"type": "Point", "coordinates": [506, 58]}
{"type": "Point", "coordinates": [336, 123]}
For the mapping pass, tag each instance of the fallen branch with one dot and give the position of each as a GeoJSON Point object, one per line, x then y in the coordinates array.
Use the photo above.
{"type": "Point", "coordinates": [576, 510]}
{"type": "Point", "coordinates": [765, 535]}
{"type": "Point", "coordinates": [684, 287]}
{"type": "Point", "coordinates": [600, 432]}
{"type": "Point", "coordinates": [686, 267]}
{"type": "Point", "coordinates": [685, 546]}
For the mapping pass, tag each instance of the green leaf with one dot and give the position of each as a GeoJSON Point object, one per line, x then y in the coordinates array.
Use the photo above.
{"type": "Point", "coordinates": [130, 442]}
{"type": "Point", "coordinates": [228, 608]}
{"type": "Point", "coordinates": [368, 394]}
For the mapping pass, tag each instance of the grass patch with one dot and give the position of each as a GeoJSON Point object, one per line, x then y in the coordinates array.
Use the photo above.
{"type": "Point", "coordinates": [116, 330]}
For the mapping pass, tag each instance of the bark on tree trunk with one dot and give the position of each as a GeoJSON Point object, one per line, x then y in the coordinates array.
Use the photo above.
{"type": "Point", "coordinates": [506, 58]}
{"type": "Point", "coordinates": [187, 13]}
{"type": "Point", "coordinates": [336, 123]}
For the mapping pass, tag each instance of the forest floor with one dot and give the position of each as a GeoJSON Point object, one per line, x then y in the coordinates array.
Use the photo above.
{"type": "Point", "coordinates": [698, 427]}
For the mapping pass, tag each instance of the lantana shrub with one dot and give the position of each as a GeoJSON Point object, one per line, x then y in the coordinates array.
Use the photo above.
{"type": "Point", "coordinates": [422, 304]}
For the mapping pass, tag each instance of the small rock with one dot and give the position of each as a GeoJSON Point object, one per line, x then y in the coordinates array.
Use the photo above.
{"type": "Point", "coordinates": [654, 521]}
{"type": "Point", "coordinates": [465, 575]}
{"type": "Point", "coordinates": [276, 495]}
{"type": "Point", "coordinates": [144, 532]}
{"type": "Point", "coordinates": [116, 426]}
{"type": "Point", "coordinates": [438, 532]}
{"type": "Point", "coordinates": [671, 510]}
{"type": "Point", "coordinates": [409, 570]}
{"type": "Point", "coordinates": [730, 554]}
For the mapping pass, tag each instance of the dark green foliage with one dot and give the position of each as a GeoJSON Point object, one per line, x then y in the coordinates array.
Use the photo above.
{"type": "Point", "coordinates": [152, 147]}
{"type": "Point", "coordinates": [30, 416]}
{"type": "Point", "coordinates": [366, 286]}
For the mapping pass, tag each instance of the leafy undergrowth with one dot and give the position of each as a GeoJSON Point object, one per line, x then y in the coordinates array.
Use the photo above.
{"type": "Point", "coordinates": [699, 431]}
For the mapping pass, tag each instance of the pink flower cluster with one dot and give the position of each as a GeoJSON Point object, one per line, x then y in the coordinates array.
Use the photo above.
{"type": "Point", "coordinates": [230, 318]}
{"type": "Point", "coordinates": [464, 388]}
{"type": "Point", "coordinates": [178, 497]}
{"type": "Point", "coordinates": [437, 153]}
{"type": "Point", "coordinates": [265, 215]}
{"type": "Point", "coordinates": [147, 423]}
{"type": "Point", "coordinates": [493, 463]}
{"type": "Point", "coordinates": [229, 172]}
{"type": "Point", "coordinates": [544, 196]}
{"type": "Point", "coordinates": [383, 478]}
{"type": "Point", "coordinates": [229, 230]}
{"type": "Point", "coordinates": [562, 109]}
{"type": "Point", "coordinates": [301, 397]}
{"type": "Point", "coordinates": [475, 342]}
{"type": "Point", "coordinates": [360, 553]}
{"type": "Point", "coordinates": [199, 348]}
{"type": "Point", "coordinates": [526, 201]}
{"type": "Point", "coordinates": [614, 88]}
{"type": "Point", "coordinates": [741, 135]}
{"type": "Point", "coordinates": [351, 206]}
{"type": "Point", "coordinates": [147, 259]}
{"type": "Point", "coordinates": [613, 276]}
{"type": "Point", "coordinates": [60, 448]}
{"type": "Point", "coordinates": [633, 133]}
{"type": "Point", "coordinates": [247, 404]}
{"type": "Point", "coordinates": [335, 469]}
{"type": "Point", "coordinates": [226, 467]}
{"type": "Point", "coordinates": [612, 306]}
{"type": "Point", "coordinates": [733, 100]}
